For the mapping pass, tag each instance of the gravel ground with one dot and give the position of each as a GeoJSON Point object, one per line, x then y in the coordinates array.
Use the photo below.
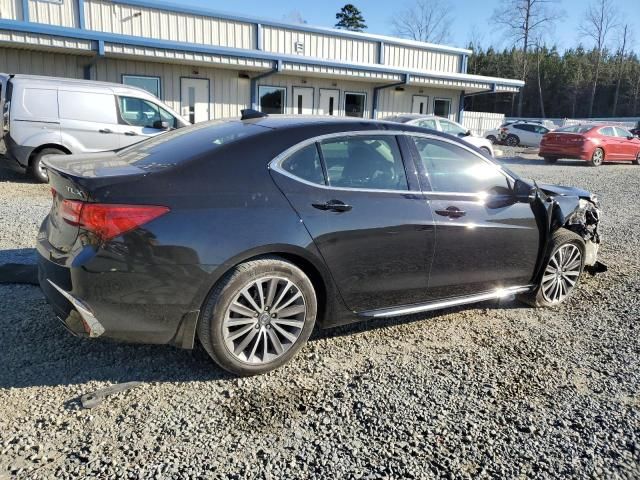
{"type": "Point", "coordinates": [487, 391]}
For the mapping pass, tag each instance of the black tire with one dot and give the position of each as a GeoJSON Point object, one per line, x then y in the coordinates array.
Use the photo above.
{"type": "Point", "coordinates": [211, 322]}
{"type": "Point", "coordinates": [560, 238]}
{"type": "Point", "coordinates": [637, 160]}
{"type": "Point", "coordinates": [597, 158]}
{"type": "Point", "coordinates": [492, 139]}
{"type": "Point", "coordinates": [512, 140]}
{"type": "Point", "coordinates": [35, 169]}
{"type": "Point", "coordinates": [550, 160]}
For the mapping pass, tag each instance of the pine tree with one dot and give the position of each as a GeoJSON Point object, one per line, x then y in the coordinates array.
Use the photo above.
{"type": "Point", "coordinates": [350, 18]}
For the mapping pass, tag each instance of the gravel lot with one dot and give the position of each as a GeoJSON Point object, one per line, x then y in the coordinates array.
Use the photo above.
{"type": "Point", "coordinates": [493, 390]}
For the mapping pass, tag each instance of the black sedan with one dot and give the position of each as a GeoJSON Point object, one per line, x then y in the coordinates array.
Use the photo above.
{"type": "Point", "coordinates": [247, 233]}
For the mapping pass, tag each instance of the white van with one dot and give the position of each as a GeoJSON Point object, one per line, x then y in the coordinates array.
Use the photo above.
{"type": "Point", "coordinates": [49, 115]}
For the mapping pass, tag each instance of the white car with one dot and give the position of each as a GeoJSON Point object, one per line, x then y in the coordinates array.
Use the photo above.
{"type": "Point", "coordinates": [447, 126]}
{"type": "Point", "coordinates": [527, 134]}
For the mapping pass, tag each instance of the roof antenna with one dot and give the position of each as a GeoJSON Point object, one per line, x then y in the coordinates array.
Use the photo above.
{"type": "Point", "coordinates": [249, 113]}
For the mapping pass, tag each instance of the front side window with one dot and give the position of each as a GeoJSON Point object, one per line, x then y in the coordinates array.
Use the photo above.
{"type": "Point", "coordinates": [355, 104]}
{"type": "Point", "coordinates": [442, 107]}
{"type": "Point", "coordinates": [272, 99]}
{"type": "Point", "coordinates": [371, 162]}
{"type": "Point", "coordinates": [143, 113]}
{"type": "Point", "coordinates": [452, 128]}
{"type": "Point", "coordinates": [150, 84]}
{"type": "Point", "coordinates": [305, 164]}
{"type": "Point", "coordinates": [451, 168]}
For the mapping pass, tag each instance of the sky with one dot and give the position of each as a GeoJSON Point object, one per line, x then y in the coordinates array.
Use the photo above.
{"type": "Point", "coordinates": [472, 17]}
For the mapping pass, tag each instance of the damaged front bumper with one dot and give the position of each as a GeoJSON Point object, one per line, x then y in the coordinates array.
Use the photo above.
{"type": "Point", "coordinates": [585, 221]}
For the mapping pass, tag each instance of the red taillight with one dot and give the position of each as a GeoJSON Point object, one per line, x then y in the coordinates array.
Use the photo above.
{"type": "Point", "coordinates": [108, 221]}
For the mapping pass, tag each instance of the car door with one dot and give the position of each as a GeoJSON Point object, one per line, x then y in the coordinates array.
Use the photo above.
{"type": "Point", "coordinates": [366, 216]}
{"type": "Point", "coordinates": [484, 239]}
{"type": "Point", "coordinates": [140, 118]}
{"type": "Point", "coordinates": [629, 146]}
{"type": "Point", "coordinates": [610, 143]}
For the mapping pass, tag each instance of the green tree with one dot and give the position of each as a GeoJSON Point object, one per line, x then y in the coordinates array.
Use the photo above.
{"type": "Point", "coordinates": [350, 18]}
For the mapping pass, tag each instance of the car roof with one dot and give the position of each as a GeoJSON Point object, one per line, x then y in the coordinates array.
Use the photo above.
{"type": "Point", "coordinates": [297, 121]}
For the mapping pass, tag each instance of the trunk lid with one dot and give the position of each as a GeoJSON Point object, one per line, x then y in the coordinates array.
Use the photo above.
{"type": "Point", "coordinates": [563, 138]}
{"type": "Point", "coordinates": [75, 178]}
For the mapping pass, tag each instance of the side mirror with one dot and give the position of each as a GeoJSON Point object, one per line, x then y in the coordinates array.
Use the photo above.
{"type": "Point", "coordinates": [161, 125]}
{"type": "Point", "coordinates": [630, 137]}
{"type": "Point", "coordinates": [468, 133]}
{"type": "Point", "coordinates": [523, 192]}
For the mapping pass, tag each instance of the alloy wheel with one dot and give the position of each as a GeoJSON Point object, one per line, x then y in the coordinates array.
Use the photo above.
{"type": "Point", "coordinates": [562, 273]}
{"type": "Point", "coordinates": [264, 320]}
{"type": "Point", "coordinates": [598, 156]}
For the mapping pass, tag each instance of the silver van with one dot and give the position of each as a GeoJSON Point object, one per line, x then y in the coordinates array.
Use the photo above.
{"type": "Point", "coordinates": [50, 115]}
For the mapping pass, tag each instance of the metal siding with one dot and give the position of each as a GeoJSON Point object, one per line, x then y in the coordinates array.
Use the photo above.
{"type": "Point", "coordinates": [160, 24]}
{"type": "Point", "coordinates": [327, 47]}
{"type": "Point", "coordinates": [15, 60]}
{"type": "Point", "coordinates": [392, 102]}
{"type": "Point", "coordinates": [11, 9]}
{"type": "Point", "coordinates": [63, 14]}
{"type": "Point", "coordinates": [420, 59]}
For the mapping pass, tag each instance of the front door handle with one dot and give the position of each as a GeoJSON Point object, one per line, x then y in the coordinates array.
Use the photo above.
{"type": "Point", "coordinates": [105, 130]}
{"type": "Point", "coordinates": [333, 206]}
{"type": "Point", "coordinates": [130, 134]}
{"type": "Point", "coordinates": [451, 212]}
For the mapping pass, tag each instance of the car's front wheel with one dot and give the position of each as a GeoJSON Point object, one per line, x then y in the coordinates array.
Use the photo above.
{"type": "Point", "coordinates": [258, 316]}
{"type": "Point", "coordinates": [597, 158]}
{"type": "Point", "coordinates": [562, 270]}
{"type": "Point", "coordinates": [512, 140]}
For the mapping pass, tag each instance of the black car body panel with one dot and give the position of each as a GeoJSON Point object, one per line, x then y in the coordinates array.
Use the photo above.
{"type": "Point", "coordinates": [227, 206]}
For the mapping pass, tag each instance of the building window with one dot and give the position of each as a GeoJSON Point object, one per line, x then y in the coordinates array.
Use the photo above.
{"type": "Point", "coordinates": [442, 107]}
{"type": "Point", "coordinates": [355, 104]}
{"type": "Point", "coordinates": [150, 84]}
{"type": "Point", "coordinates": [272, 99]}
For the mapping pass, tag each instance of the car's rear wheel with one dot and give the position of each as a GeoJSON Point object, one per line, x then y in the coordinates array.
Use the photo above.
{"type": "Point", "coordinates": [597, 158]}
{"type": "Point", "coordinates": [258, 316]}
{"type": "Point", "coordinates": [512, 140]}
{"type": "Point", "coordinates": [492, 139]}
{"type": "Point", "coordinates": [637, 160]}
{"type": "Point", "coordinates": [550, 160]}
{"type": "Point", "coordinates": [562, 270]}
{"type": "Point", "coordinates": [36, 169]}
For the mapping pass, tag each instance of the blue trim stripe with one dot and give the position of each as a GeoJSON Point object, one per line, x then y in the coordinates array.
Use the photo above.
{"type": "Point", "coordinates": [25, 10]}
{"type": "Point", "coordinates": [103, 37]}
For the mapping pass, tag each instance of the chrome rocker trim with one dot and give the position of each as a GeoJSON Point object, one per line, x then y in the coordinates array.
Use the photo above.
{"type": "Point", "coordinates": [425, 307]}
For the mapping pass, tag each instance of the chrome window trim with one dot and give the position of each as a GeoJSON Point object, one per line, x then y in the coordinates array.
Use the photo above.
{"type": "Point", "coordinates": [276, 163]}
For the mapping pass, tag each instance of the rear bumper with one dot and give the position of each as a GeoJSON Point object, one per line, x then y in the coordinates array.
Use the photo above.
{"type": "Point", "coordinates": [564, 152]}
{"type": "Point", "coordinates": [94, 298]}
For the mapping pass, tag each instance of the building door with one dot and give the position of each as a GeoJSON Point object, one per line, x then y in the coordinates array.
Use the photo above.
{"type": "Point", "coordinates": [328, 103]}
{"type": "Point", "coordinates": [194, 99]}
{"type": "Point", "coordinates": [420, 103]}
{"type": "Point", "coordinates": [302, 101]}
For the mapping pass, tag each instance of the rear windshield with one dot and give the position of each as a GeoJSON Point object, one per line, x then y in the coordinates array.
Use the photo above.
{"type": "Point", "coordinates": [172, 147]}
{"type": "Point", "coordinates": [575, 129]}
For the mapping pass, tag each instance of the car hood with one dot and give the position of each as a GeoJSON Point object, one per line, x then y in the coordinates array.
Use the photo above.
{"type": "Point", "coordinates": [564, 191]}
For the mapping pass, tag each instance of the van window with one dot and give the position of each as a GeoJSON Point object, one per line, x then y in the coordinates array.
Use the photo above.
{"type": "Point", "coordinates": [143, 113]}
{"type": "Point", "coordinates": [87, 107]}
{"type": "Point", "coordinates": [40, 104]}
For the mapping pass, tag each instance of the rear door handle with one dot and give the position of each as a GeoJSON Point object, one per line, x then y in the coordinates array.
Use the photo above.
{"type": "Point", "coordinates": [105, 130]}
{"type": "Point", "coordinates": [333, 206]}
{"type": "Point", "coordinates": [451, 212]}
{"type": "Point", "coordinates": [130, 134]}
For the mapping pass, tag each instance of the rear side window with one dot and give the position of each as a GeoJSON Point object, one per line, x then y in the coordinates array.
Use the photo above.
{"type": "Point", "coordinates": [451, 168]}
{"type": "Point", "coordinates": [305, 164]}
{"type": "Point", "coordinates": [40, 103]}
{"type": "Point", "coordinates": [88, 107]}
{"type": "Point", "coordinates": [363, 161]}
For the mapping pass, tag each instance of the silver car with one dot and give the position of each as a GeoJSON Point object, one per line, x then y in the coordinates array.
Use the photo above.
{"type": "Point", "coordinates": [49, 115]}
{"type": "Point", "coordinates": [447, 126]}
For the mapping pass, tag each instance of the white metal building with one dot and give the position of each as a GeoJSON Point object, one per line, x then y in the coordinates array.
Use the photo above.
{"type": "Point", "coordinates": [206, 64]}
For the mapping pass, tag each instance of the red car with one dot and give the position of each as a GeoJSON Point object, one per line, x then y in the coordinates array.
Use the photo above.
{"type": "Point", "coordinates": [594, 143]}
